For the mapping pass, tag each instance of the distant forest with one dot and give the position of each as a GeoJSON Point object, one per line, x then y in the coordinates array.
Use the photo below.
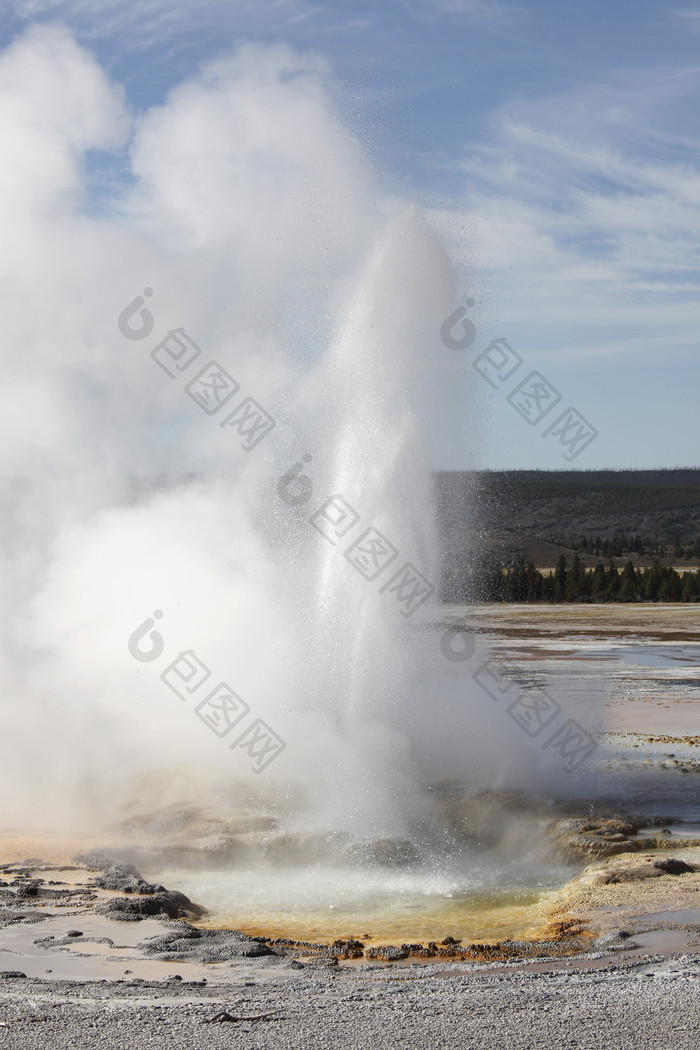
{"type": "Point", "coordinates": [621, 543]}
{"type": "Point", "coordinates": [618, 491]}
{"type": "Point", "coordinates": [525, 583]}
{"type": "Point", "coordinates": [570, 536]}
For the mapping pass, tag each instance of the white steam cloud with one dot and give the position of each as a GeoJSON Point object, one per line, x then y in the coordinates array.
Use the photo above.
{"type": "Point", "coordinates": [249, 218]}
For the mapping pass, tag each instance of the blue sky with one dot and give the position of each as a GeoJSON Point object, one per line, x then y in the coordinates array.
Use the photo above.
{"type": "Point", "coordinates": [555, 144]}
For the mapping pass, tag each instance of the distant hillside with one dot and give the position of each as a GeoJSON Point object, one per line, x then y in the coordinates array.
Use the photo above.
{"type": "Point", "coordinates": [529, 515]}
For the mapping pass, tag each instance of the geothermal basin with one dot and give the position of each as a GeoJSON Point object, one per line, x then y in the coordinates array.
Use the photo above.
{"type": "Point", "coordinates": [492, 865]}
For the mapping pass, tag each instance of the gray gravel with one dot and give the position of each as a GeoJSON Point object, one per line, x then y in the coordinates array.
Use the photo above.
{"type": "Point", "coordinates": [652, 1005]}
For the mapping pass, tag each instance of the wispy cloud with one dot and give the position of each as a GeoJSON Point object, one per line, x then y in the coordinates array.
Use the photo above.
{"type": "Point", "coordinates": [483, 10]}
{"type": "Point", "coordinates": [586, 209]}
{"type": "Point", "coordinates": [691, 17]}
{"type": "Point", "coordinates": [141, 24]}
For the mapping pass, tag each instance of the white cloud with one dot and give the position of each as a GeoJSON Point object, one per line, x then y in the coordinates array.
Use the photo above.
{"type": "Point", "coordinates": [56, 105]}
{"type": "Point", "coordinates": [250, 152]}
{"type": "Point", "coordinates": [246, 167]}
{"type": "Point", "coordinates": [253, 217]}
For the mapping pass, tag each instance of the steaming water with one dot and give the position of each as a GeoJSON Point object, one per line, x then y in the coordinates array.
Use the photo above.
{"type": "Point", "coordinates": [359, 656]}
{"type": "Point", "coordinates": [247, 566]}
{"type": "Point", "coordinates": [252, 571]}
{"type": "Point", "coordinates": [487, 904]}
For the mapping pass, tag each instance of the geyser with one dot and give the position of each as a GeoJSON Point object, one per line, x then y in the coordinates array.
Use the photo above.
{"type": "Point", "coordinates": [222, 569]}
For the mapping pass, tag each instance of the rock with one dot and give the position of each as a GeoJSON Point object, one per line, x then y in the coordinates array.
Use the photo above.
{"type": "Point", "coordinates": [614, 937]}
{"type": "Point", "coordinates": [350, 949]}
{"type": "Point", "coordinates": [182, 931]}
{"type": "Point", "coordinates": [130, 910]}
{"type": "Point", "coordinates": [126, 878]}
{"type": "Point", "coordinates": [204, 946]}
{"type": "Point", "coordinates": [8, 918]}
{"type": "Point", "coordinates": [254, 950]}
{"type": "Point", "coordinates": [28, 889]}
{"type": "Point", "coordinates": [152, 899]}
{"type": "Point", "coordinates": [673, 866]}
{"type": "Point", "coordinates": [611, 876]}
{"type": "Point", "coordinates": [319, 960]}
{"type": "Point", "coordinates": [603, 837]}
{"type": "Point", "coordinates": [13, 975]}
{"type": "Point", "coordinates": [171, 903]}
{"type": "Point", "coordinates": [665, 866]}
{"type": "Point", "coordinates": [187, 907]}
{"type": "Point", "coordinates": [387, 953]}
{"type": "Point", "coordinates": [74, 933]}
{"type": "Point", "coordinates": [592, 846]}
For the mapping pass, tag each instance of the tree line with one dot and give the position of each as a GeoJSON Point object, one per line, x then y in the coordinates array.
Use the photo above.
{"type": "Point", "coordinates": [622, 543]}
{"type": "Point", "coordinates": [522, 582]}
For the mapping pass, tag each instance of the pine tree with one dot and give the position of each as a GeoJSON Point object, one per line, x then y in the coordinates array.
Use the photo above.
{"type": "Point", "coordinates": [652, 582]}
{"type": "Point", "coordinates": [560, 576]}
{"type": "Point", "coordinates": [534, 583]}
{"type": "Point", "coordinates": [599, 582]}
{"type": "Point", "coordinates": [628, 584]}
{"type": "Point", "coordinates": [671, 588]}
{"type": "Point", "coordinates": [688, 590]}
{"type": "Point", "coordinates": [612, 578]}
{"type": "Point", "coordinates": [575, 581]}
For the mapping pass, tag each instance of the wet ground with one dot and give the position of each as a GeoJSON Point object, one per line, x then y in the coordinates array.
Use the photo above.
{"type": "Point", "coordinates": [643, 664]}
